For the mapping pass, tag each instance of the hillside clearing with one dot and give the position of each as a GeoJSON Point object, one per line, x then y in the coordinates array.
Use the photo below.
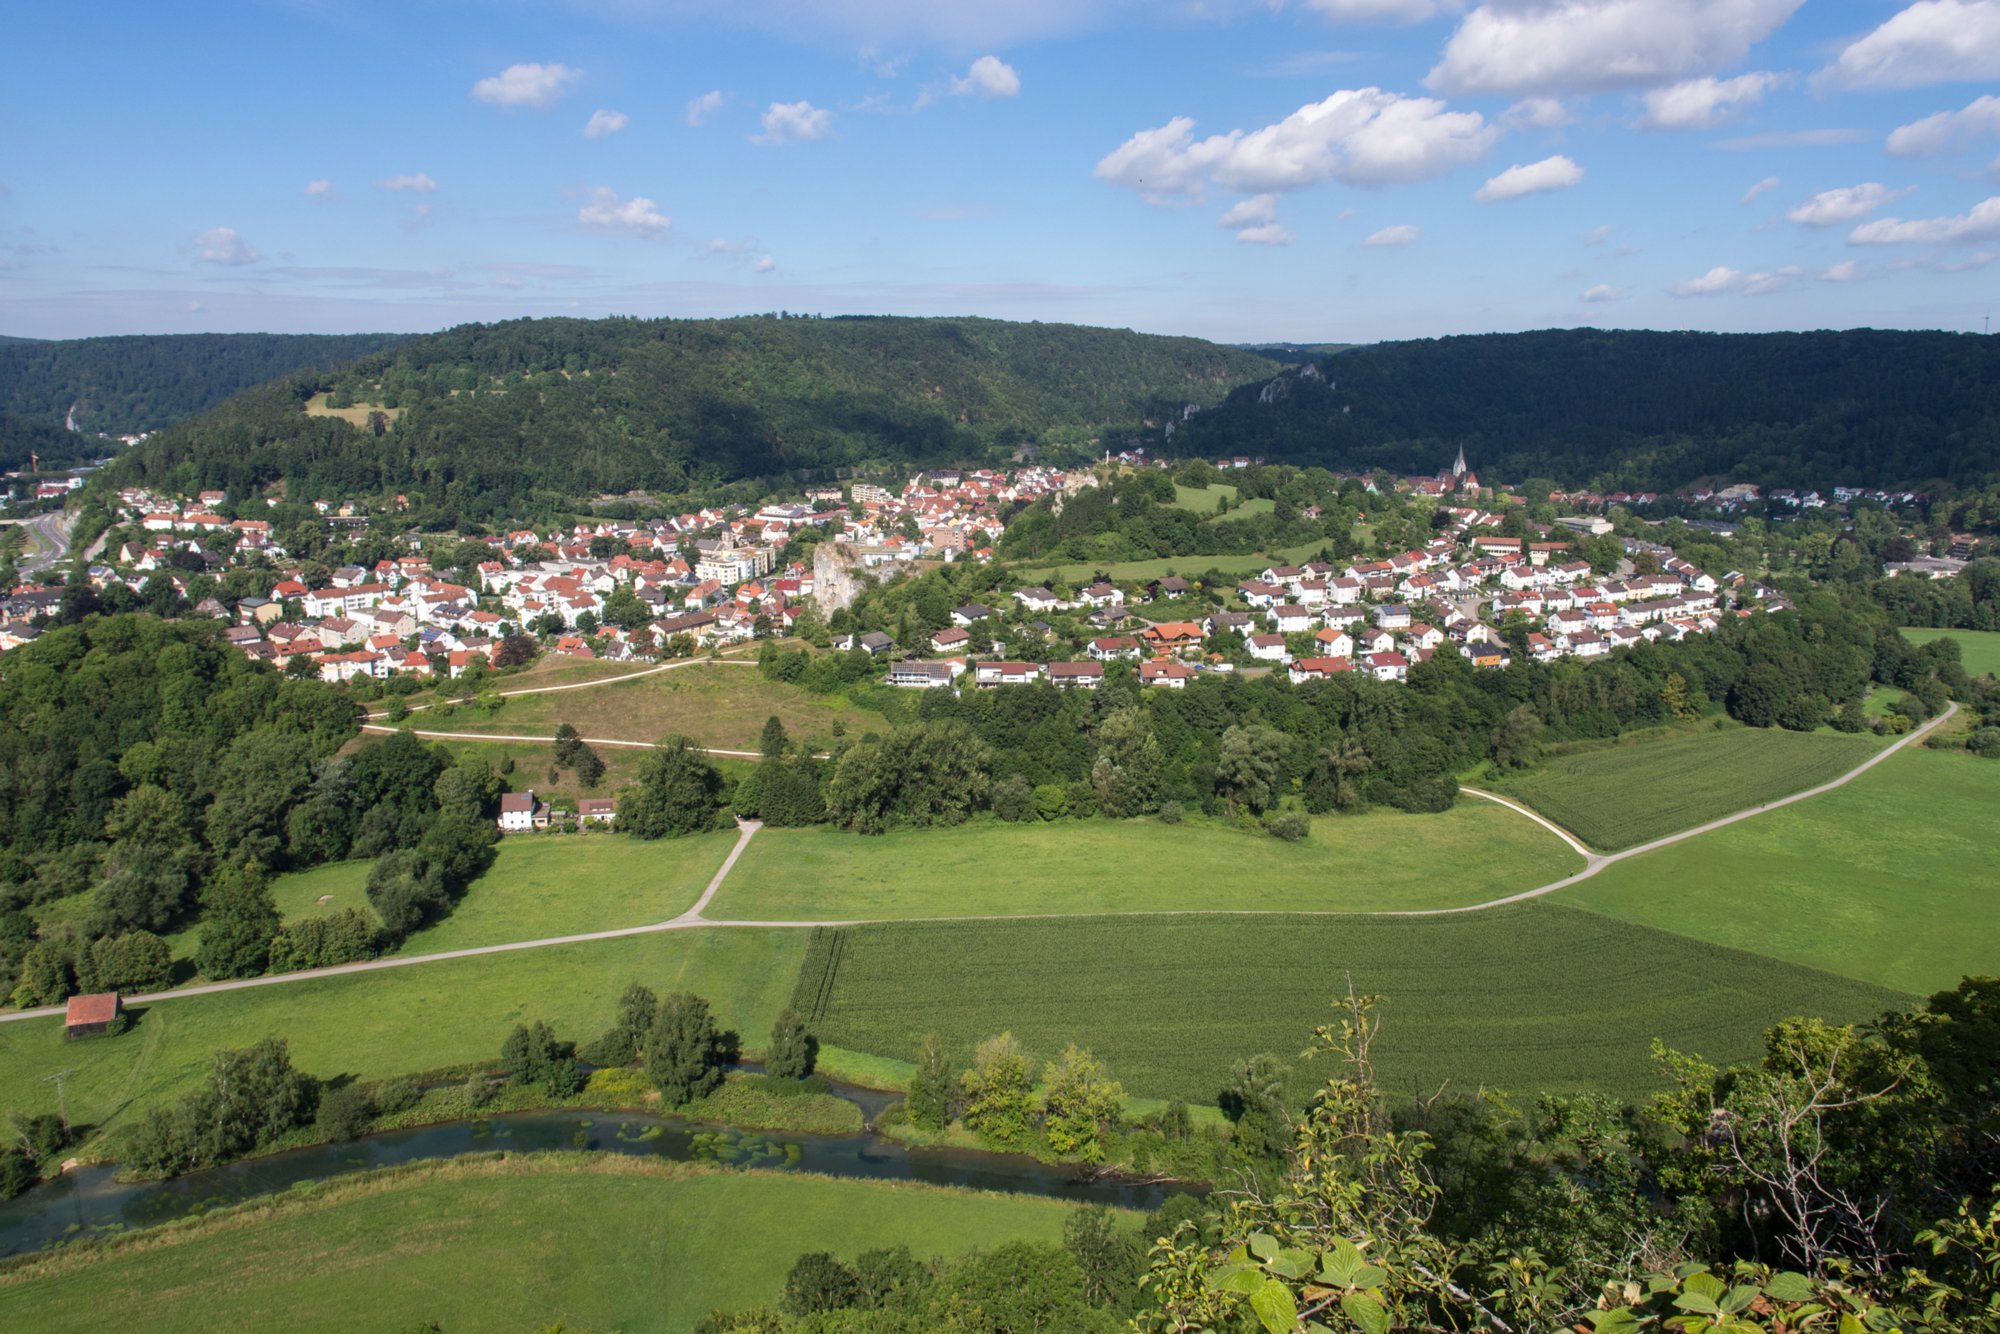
{"type": "Point", "coordinates": [1979, 650]}
{"type": "Point", "coordinates": [1622, 794]}
{"type": "Point", "coordinates": [1189, 566]}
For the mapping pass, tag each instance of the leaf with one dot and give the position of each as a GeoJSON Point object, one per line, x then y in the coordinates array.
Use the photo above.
{"type": "Point", "coordinates": [1698, 1302]}
{"type": "Point", "coordinates": [1263, 1245]}
{"type": "Point", "coordinates": [1789, 1287]}
{"type": "Point", "coordinates": [1276, 1307]}
{"type": "Point", "coordinates": [1290, 1264]}
{"type": "Point", "coordinates": [1739, 1299]}
{"type": "Point", "coordinates": [1618, 1320]}
{"type": "Point", "coordinates": [1367, 1312]}
{"type": "Point", "coordinates": [1370, 1276]}
{"type": "Point", "coordinates": [1341, 1264]}
{"type": "Point", "coordinates": [1706, 1285]}
{"type": "Point", "coordinates": [1240, 1278]}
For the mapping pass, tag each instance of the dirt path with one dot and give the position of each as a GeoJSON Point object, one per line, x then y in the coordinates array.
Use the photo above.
{"type": "Point", "coordinates": [547, 740]}
{"type": "Point", "coordinates": [693, 920]}
{"type": "Point", "coordinates": [589, 685]}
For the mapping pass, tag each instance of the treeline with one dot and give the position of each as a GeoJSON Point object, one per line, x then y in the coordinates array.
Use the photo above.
{"type": "Point", "coordinates": [152, 767]}
{"type": "Point", "coordinates": [130, 384]}
{"type": "Point", "coordinates": [487, 417]}
{"type": "Point", "coordinates": [1135, 518]}
{"type": "Point", "coordinates": [1635, 409]}
{"type": "Point", "coordinates": [1842, 1180]}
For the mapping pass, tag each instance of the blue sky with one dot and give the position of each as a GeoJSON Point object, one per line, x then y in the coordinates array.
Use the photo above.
{"type": "Point", "coordinates": [1347, 170]}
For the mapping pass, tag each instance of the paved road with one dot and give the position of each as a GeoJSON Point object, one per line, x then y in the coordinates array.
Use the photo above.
{"type": "Point", "coordinates": [693, 920]}
{"type": "Point", "coordinates": [48, 534]}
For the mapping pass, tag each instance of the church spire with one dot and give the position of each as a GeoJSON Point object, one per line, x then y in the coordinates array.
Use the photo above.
{"type": "Point", "coordinates": [1458, 468]}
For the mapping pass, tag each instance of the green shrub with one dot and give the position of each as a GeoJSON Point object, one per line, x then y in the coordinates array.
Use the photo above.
{"type": "Point", "coordinates": [1291, 826]}
{"type": "Point", "coordinates": [1171, 812]}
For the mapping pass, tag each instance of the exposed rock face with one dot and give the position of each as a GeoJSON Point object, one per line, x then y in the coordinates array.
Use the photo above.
{"type": "Point", "coordinates": [836, 580]}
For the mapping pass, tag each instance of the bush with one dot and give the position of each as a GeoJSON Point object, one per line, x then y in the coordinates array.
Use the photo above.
{"type": "Point", "coordinates": [1013, 799]}
{"type": "Point", "coordinates": [1171, 812]}
{"type": "Point", "coordinates": [323, 942]}
{"type": "Point", "coordinates": [1290, 826]}
{"type": "Point", "coordinates": [345, 1113]}
{"type": "Point", "coordinates": [1986, 743]}
{"type": "Point", "coordinates": [819, 1282]}
{"type": "Point", "coordinates": [396, 1095]}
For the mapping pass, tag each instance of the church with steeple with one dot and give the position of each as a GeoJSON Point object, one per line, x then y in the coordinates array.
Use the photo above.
{"type": "Point", "coordinates": [1461, 478]}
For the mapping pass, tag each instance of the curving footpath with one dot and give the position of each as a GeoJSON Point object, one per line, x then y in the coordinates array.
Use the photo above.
{"type": "Point", "coordinates": [692, 919]}
{"type": "Point", "coordinates": [589, 685]}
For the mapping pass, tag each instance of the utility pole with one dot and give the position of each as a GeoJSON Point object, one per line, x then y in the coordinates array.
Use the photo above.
{"type": "Point", "coordinates": [62, 1103]}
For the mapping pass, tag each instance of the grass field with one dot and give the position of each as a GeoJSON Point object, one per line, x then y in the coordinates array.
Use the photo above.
{"type": "Point", "coordinates": [724, 706]}
{"type": "Point", "coordinates": [1623, 794]}
{"type": "Point", "coordinates": [1889, 879]}
{"type": "Point", "coordinates": [1474, 852]}
{"type": "Point", "coordinates": [1131, 570]}
{"type": "Point", "coordinates": [600, 1243]}
{"type": "Point", "coordinates": [1979, 650]}
{"type": "Point", "coordinates": [540, 885]}
{"type": "Point", "coordinates": [398, 1021]}
{"type": "Point", "coordinates": [1527, 998]}
{"type": "Point", "coordinates": [317, 406]}
{"type": "Point", "coordinates": [1202, 499]}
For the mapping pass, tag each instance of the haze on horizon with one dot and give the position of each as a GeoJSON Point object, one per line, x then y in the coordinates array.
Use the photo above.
{"type": "Point", "coordinates": [1344, 170]}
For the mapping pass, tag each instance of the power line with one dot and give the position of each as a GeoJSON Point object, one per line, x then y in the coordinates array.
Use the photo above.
{"type": "Point", "coordinates": [62, 1103]}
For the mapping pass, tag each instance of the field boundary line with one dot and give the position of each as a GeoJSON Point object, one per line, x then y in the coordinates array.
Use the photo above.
{"type": "Point", "coordinates": [1575, 843]}
{"type": "Point", "coordinates": [548, 740]}
{"type": "Point", "coordinates": [588, 685]}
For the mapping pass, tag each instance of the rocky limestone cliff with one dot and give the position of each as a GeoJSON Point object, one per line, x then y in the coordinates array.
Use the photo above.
{"type": "Point", "coordinates": [836, 577]}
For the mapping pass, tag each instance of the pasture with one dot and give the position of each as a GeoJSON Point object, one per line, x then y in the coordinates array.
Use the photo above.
{"type": "Point", "coordinates": [1525, 998]}
{"type": "Point", "coordinates": [1202, 499]}
{"type": "Point", "coordinates": [1979, 650]}
{"type": "Point", "coordinates": [1621, 794]}
{"type": "Point", "coordinates": [399, 1020]}
{"type": "Point", "coordinates": [1362, 863]}
{"type": "Point", "coordinates": [723, 705]}
{"type": "Point", "coordinates": [602, 1242]}
{"type": "Point", "coordinates": [1133, 571]}
{"type": "Point", "coordinates": [1887, 880]}
{"type": "Point", "coordinates": [357, 415]}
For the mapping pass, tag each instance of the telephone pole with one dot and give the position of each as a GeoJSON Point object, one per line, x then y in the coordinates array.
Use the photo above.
{"type": "Point", "coordinates": [62, 1102]}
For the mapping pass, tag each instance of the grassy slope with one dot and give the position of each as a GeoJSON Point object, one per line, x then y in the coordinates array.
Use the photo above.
{"type": "Point", "coordinates": [1383, 860]}
{"type": "Point", "coordinates": [1889, 879]}
{"type": "Point", "coordinates": [1979, 650]}
{"type": "Point", "coordinates": [1617, 796]}
{"type": "Point", "coordinates": [540, 885]}
{"type": "Point", "coordinates": [1182, 565]}
{"type": "Point", "coordinates": [609, 1244]}
{"type": "Point", "coordinates": [1531, 997]}
{"type": "Point", "coordinates": [398, 1021]}
{"type": "Point", "coordinates": [721, 706]}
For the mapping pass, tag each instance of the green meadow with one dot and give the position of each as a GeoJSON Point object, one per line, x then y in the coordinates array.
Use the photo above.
{"type": "Point", "coordinates": [1979, 650]}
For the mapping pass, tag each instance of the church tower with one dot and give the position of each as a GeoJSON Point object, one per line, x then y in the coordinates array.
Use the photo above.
{"type": "Point", "coordinates": [1458, 468]}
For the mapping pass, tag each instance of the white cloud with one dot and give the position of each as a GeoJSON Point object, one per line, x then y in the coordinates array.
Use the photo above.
{"type": "Point", "coordinates": [1703, 104]}
{"type": "Point", "coordinates": [1830, 208]}
{"type": "Point", "coordinates": [701, 108]}
{"type": "Point", "coordinates": [1722, 280]}
{"type": "Point", "coordinates": [795, 122]}
{"type": "Point", "coordinates": [1257, 208]}
{"type": "Point", "coordinates": [1597, 235]}
{"type": "Point", "coordinates": [1978, 259]}
{"type": "Point", "coordinates": [526, 85]}
{"type": "Point", "coordinates": [421, 183]}
{"type": "Point", "coordinates": [1602, 292]}
{"type": "Point", "coordinates": [1537, 113]}
{"type": "Point", "coordinates": [1266, 233]}
{"type": "Point", "coordinates": [1533, 178]}
{"type": "Point", "coordinates": [221, 245]}
{"type": "Point", "coordinates": [1827, 138]}
{"type": "Point", "coordinates": [1947, 129]}
{"type": "Point", "coordinates": [1375, 11]}
{"type": "Point", "coordinates": [603, 124]}
{"type": "Point", "coordinates": [1847, 271]}
{"type": "Point", "coordinates": [989, 77]}
{"type": "Point", "coordinates": [319, 189]}
{"type": "Point", "coordinates": [1981, 224]}
{"type": "Point", "coordinates": [1395, 237]}
{"type": "Point", "coordinates": [1357, 136]}
{"type": "Point", "coordinates": [1933, 41]}
{"type": "Point", "coordinates": [1764, 186]}
{"type": "Point", "coordinates": [1528, 46]}
{"type": "Point", "coordinates": [637, 216]}
{"type": "Point", "coordinates": [765, 264]}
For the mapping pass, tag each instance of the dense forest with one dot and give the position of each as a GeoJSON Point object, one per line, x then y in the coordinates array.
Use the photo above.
{"type": "Point", "coordinates": [1633, 409]}
{"type": "Point", "coordinates": [126, 385]}
{"type": "Point", "coordinates": [483, 417]}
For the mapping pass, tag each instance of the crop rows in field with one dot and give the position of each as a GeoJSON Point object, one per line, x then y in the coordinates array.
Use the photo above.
{"type": "Point", "coordinates": [1617, 796]}
{"type": "Point", "coordinates": [1535, 997]}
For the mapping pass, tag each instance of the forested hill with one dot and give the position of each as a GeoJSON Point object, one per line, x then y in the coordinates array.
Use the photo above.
{"type": "Point", "coordinates": [477, 418]}
{"type": "Point", "coordinates": [126, 385]}
{"type": "Point", "coordinates": [1635, 410]}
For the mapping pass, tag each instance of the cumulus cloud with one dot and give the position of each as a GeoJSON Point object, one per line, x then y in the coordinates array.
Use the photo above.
{"type": "Point", "coordinates": [603, 124]}
{"type": "Point", "coordinates": [1703, 104]}
{"type": "Point", "coordinates": [765, 264]}
{"type": "Point", "coordinates": [1830, 208]}
{"type": "Point", "coordinates": [637, 216]}
{"type": "Point", "coordinates": [1394, 237]}
{"type": "Point", "coordinates": [319, 189]}
{"type": "Point", "coordinates": [1982, 223]}
{"type": "Point", "coordinates": [795, 122]}
{"type": "Point", "coordinates": [1933, 41]}
{"type": "Point", "coordinates": [1529, 46]}
{"type": "Point", "coordinates": [1764, 186]}
{"type": "Point", "coordinates": [221, 245]}
{"type": "Point", "coordinates": [1723, 281]}
{"type": "Point", "coordinates": [1375, 11]}
{"type": "Point", "coordinates": [1602, 292]}
{"type": "Point", "coordinates": [701, 108]}
{"type": "Point", "coordinates": [526, 85]}
{"type": "Point", "coordinates": [420, 182]}
{"type": "Point", "coordinates": [1847, 271]}
{"type": "Point", "coordinates": [1357, 136]}
{"type": "Point", "coordinates": [1947, 129]}
{"type": "Point", "coordinates": [1533, 178]}
{"type": "Point", "coordinates": [989, 77]}
{"type": "Point", "coordinates": [1537, 113]}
